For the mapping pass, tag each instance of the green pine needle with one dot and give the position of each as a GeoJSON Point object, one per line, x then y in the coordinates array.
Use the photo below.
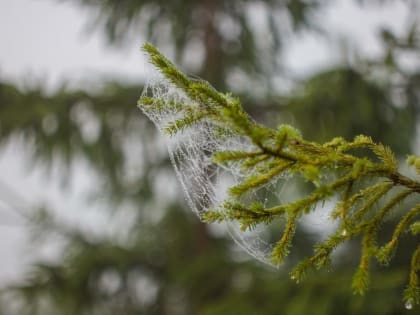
{"type": "Point", "coordinates": [365, 189]}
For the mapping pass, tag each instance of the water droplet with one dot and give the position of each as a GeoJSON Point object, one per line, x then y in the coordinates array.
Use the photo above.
{"type": "Point", "coordinates": [344, 232]}
{"type": "Point", "coordinates": [408, 305]}
{"type": "Point", "coordinates": [293, 277]}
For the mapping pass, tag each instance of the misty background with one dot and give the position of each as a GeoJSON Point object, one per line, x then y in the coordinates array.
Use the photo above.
{"type": "Point", "coordinates": [84, 174]}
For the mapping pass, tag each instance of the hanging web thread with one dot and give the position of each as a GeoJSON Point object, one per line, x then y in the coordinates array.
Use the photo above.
{"type": "Point", "coordinates": [191, 150]}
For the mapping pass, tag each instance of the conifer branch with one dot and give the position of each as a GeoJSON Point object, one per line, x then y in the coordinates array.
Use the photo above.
{"type": "Point", "coordinates": [367, 188]}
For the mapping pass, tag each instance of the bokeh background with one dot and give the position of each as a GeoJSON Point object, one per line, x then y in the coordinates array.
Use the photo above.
{"type": "Point", "coordinates": [92, 219]}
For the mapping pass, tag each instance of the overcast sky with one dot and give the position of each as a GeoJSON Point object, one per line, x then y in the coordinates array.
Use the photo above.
{"type": "Point", "coordinates": [45, 40]}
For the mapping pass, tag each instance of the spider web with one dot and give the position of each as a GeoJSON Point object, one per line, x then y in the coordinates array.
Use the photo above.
{"type": "Point", "coordinates": [191, 149]}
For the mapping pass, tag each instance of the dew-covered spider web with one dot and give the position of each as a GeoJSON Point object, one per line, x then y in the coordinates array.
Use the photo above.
{"type": "Point", "coordinates": [191, 150]}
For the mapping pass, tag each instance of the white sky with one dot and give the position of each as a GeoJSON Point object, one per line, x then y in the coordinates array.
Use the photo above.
{"type": "Point", "coordinates": [44, 39]}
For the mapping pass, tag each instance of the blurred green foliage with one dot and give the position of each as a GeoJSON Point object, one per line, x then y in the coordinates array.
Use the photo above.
{"type": "Point", "coordinates": [346, 102]}
{"type": "Point", "coordinates": [177, 265]}
{"type": "Point", "coordinates": [226, 35]}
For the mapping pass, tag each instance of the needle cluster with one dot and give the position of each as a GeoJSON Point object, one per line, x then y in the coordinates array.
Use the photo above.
{"type": "Point", "coordinates": [360, 176]}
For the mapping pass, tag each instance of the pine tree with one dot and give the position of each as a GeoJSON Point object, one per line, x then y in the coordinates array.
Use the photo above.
{"type": "Point", "coordinates": [376, 96]}
{"type": "Point", "coordinates": [365, 181]}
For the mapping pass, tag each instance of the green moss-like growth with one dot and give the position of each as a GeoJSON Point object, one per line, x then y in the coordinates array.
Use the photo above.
{"type": "Point", "coordinates": [368, 187]}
